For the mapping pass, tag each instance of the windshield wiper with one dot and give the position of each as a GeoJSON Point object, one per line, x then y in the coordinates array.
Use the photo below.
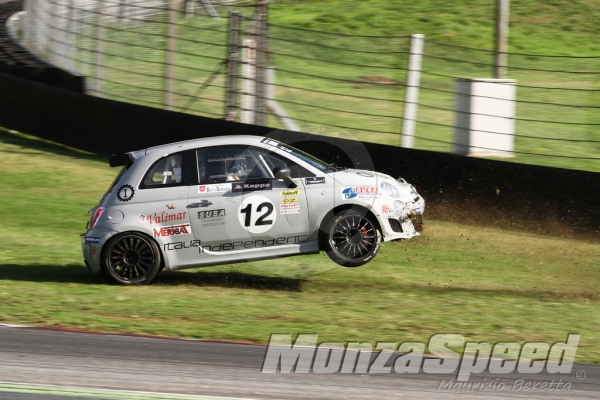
{"type": "Point", "coordinates": [335, 167]}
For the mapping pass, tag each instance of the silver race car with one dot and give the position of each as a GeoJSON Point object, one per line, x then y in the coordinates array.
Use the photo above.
{"type": "Point", "coordinates": [230, 199]}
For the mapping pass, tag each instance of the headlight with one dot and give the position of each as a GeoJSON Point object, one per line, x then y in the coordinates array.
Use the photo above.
{"type": "Point", "coordinates": [390, 189]}
{"type": "Point", "coordinates": [398, 205]}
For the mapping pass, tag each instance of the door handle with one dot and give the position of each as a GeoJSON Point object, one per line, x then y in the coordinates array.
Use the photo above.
{"type": "Point", "coordinates": [203, 203]}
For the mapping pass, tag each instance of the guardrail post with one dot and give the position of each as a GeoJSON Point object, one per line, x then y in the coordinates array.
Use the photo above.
{"type": "Point", "coordinates": [232, 65]}
{"type": "Point", "coordinates": [261, 65]}
{"type": "Point", "coordinates": [100, 35]}
{"type": "Point", "coordinates": [412, 90]}
{"type": "Point", "coordinates": [170, 55]}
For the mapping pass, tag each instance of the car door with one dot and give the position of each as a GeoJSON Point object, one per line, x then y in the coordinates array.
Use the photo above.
{"type": "Point", "coordinates": [238, 206]}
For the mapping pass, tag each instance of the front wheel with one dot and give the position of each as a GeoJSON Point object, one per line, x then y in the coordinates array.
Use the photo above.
{"type": "Point", "coordinates": [352, 239]}
{"type": "Point", "coordinates": [131, 259]}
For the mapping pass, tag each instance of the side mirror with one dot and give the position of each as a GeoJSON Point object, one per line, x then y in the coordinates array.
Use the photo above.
{"type": "Point", "coordinates": [284, 173]}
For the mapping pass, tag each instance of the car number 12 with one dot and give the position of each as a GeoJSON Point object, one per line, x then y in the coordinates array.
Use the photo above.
{"type": "Point", "coordinates": [256, 214]}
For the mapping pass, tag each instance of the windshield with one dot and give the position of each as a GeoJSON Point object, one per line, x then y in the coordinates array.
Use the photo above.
{"type": "Point", "coordinates": [313, 161]}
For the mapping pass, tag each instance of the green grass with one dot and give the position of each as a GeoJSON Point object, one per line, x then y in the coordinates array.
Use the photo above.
{"type": "Point", "coordinates": [485, 283]}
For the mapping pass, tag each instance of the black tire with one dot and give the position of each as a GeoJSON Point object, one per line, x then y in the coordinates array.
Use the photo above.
{"type": "Point", "coordinates": [352, 239]}
{"type": "Point", "coordinates": [131, 259]}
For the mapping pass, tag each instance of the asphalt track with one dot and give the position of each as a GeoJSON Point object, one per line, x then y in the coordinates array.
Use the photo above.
{"type": "Point", "coordinates": [49, 364]}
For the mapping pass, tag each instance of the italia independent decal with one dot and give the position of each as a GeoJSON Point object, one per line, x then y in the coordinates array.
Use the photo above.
{"type": "Point", "coordinates": [125, 193]}
{"type": "Point", "coordinates": [314, 181]}
{"type": "Point", "coordinates": [252, 186]}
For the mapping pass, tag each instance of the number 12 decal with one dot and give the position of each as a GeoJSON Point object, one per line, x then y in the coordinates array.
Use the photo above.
{"type": "Point", "coordinates": [256, 214]}
{"type": "Point", "coordinates": [260, 221]}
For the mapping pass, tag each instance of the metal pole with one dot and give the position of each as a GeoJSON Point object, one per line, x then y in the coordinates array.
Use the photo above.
{"type": "Point", "coordinates": [52, 31]}
{"type": "Point", "coordinates": [500, 62]}
{"type": "Point", "coordinates": [232, 65]}
{"type": "Point", "coordinates": [248, 114]}
{"type": "Point", "coordinates": [261, 65]}
{"type": "Point", "coordinates": [412, 90]}
{"type": "Point", "coordinates": [170, 61]}
{"type": "Point", "coordinates": [100, 35]}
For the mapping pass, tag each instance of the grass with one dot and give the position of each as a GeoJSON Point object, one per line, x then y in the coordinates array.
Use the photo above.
{"type": "Point", "coordinates": [488, 284]}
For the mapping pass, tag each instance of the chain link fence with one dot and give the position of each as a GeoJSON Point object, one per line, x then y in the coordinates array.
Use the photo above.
{"type": "Point", "coordinates": [190, 56]}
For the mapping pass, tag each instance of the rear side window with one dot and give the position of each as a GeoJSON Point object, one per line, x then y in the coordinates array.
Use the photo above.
{"type": "Point", "coordinates": [118, 178]}
{"type": "Point", "coordinates": [168, 171]}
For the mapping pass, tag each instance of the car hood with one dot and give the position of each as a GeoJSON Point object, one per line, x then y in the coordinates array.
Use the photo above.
{"type": "Point", "coordinates": [357, 177]}
{"type": "Point", "coordinates": [360, 177]}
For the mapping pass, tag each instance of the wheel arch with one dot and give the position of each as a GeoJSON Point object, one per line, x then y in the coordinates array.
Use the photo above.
{"type": "Point", "coordinates": [338, 209]}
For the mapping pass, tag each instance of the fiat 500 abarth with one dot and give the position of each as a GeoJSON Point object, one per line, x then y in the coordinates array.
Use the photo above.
{"type": "Point", "coordinates": [238, 198]}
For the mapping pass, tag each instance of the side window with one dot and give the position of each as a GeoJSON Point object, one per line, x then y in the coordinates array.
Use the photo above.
{"type": "Point", "coordinates": [227, 164]}
{"type": "Point", "coordinates": [274, 160]}
{"type": "Point", "coordinates": [168, 171]}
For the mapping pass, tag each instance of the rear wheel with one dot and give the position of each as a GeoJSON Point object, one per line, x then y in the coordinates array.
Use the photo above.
{"type": "Point", "coordinates": [131, 259]}
{"type": "Point", "coordinates": [352, 239]}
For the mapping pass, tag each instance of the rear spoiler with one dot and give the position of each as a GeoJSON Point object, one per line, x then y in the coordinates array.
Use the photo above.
{"type": "Point", "coordinates": [118, 160]}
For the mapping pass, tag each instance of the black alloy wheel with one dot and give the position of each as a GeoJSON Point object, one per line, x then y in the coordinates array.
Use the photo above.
{"type": "Point", "coordinates": [131, 259]}
{"type": "Point", "coordinates": [352, 239]}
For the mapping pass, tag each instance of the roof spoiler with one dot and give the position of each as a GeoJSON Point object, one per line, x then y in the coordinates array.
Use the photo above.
{"type": "Point", "coordinates": [118, 160]}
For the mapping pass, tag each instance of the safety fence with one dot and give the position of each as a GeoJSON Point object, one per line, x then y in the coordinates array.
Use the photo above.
{"type": "Point", "coordinates": [224, 59]}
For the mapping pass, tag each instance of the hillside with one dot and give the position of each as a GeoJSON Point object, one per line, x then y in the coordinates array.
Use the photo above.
{"type": "Point", "coordinates": [559, 27]}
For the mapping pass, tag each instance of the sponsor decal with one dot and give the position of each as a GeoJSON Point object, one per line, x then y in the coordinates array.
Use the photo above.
{"type": "Point", "coordinates": [290, 200]}
{"type": "Point", "coordinates": [275, 143]}
{"type": "Point", "coordinates": [92, 239]}
{"type": "Point", "coordinates": [252, 244]}
{"type": "Point", "coordinates": [181, 245]}
{"type": "Point", "coordinates": [314, 181]}
{"type": "Point", "coordinates": [252, 186]}
{"type": "Point", "coordinates": [213, 188]}
{"type": "Point", "coordinates": [289, 208]}
{"type": "Point", "coordinates": [125, 193]}
{"type": "Point", "coordinates": [361, 192]}
{"type": "Point", "coordinates": [162, 217]}
{"type": "Point", "coordinates": [501, 358]}
{"type": "Point", "coordinates": [170, 206]}
{"type": "Point", "coordinates": [290, 193]}
{"type": "Point", "coordinates": [212, 218]}
{"type": "Point", "coordinates": [93, 250]}
{"type": "Point", "coordinates": [256, 214]}
{"type": "Point", "coordinates": [365, 174]}
{"type": "Point", "coordinates": [183, 229]}
{"type": "Point", "coordinates": [211, 213]}
{"type": "Point", "coordinates": [385, 209]}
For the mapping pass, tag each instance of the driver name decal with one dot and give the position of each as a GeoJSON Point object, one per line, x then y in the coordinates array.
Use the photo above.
{"type": "Point", "coordinates": [314, 181]}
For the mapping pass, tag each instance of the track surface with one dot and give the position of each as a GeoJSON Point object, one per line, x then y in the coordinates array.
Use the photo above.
{"type": "Point", "coordinates": [85, 360]}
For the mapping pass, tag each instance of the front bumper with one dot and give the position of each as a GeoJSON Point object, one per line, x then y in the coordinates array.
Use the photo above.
{"type": "Point", "coordinates": [402, 224]}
